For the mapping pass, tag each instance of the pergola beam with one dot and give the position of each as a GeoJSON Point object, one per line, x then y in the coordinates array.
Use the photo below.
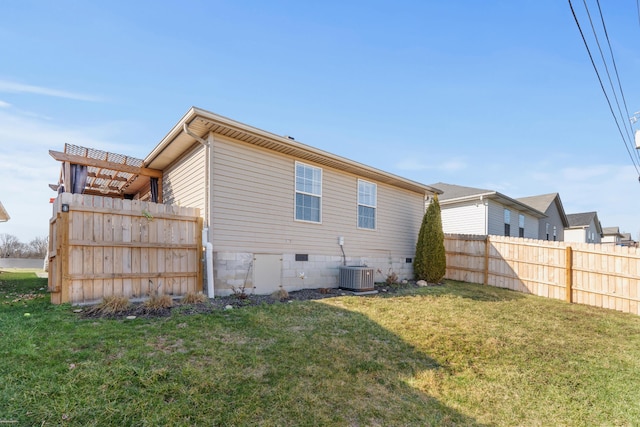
{"type": "Point", "coordinates": [86, 161]}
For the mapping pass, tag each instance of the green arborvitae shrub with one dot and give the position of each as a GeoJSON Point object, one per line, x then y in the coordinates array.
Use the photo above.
{"type": "Point", "coordinates": [430, 263]}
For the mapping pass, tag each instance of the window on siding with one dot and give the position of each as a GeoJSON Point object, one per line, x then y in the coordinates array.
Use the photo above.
{"type": "Point", "coordinates": [367, 202]}
{"type": "Point", "coordinates": [521, 225]}
{"type": "Point", "coordinates": [547, 231]}
{"type": "Point", "coordinates": [555, 230]}
{"type": "Point", "coordinates": [507, 222]}
{"type": "Point", "coordinates": [308, 192]}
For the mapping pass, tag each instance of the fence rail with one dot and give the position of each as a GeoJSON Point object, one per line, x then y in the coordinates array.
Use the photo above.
{"type": "Point", "coordinates": [601, 275]}
{"type": "Point", "coordinates": [101, 246]}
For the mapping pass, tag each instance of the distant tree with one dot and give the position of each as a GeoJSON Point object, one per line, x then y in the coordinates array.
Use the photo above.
{"type": "Point", "coordinates": [10, 246]}
{"type": "Point", "coordinates": [38, 247]}
{"type": "Point", "coordinates": [430, 263]}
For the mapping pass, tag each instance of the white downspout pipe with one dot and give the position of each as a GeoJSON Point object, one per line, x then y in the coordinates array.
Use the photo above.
{"type": "Point", "coordinates": [205, 231]}
{"type": "Point", "coordinates": [208, 262]}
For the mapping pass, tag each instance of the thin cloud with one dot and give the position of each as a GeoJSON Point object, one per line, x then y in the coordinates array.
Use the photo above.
{"type": "Point", "coordinates": [13, 87]}
{"type": "Point", "coordinates": [4, 104]}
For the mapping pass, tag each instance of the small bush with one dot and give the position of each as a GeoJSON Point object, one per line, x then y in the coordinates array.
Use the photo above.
{"type": "Point", "coordinates": [158, 302]}
{"type": "Point", "coordinates": [391, 278]}
{"type": "Point", "coordinates": [240, 292]}
{"type": "Point", "coordinates": [194, 298]}
{"type": "Point", "coordinates": [114, 304]}
{"type": "Point", "coordinates": [430, 263]}
{"type": "Point", "coordinates": [280, 294]}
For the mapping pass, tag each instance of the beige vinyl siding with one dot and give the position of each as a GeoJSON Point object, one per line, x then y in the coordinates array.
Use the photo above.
{"type": "Point", "coordinates": [254, 201]}
{"type": "Point", "coordinates": [183, 183]}
{"type": "Point", "coordinates": [464, 218]}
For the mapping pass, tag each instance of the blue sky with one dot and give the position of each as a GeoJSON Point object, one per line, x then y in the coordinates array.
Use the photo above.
{"type": "Point", "coordinates": [494, 94]}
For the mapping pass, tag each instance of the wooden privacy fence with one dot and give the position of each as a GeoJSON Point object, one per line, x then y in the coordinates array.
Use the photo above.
{"type": "Point", "coordinates": [101, 246]}
{"type": "Point", "coordinates": [600, 275]}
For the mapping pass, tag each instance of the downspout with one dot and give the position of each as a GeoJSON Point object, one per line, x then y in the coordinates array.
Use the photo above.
{"type": "Point", "coordinates": [209, 262]}
{"type": "Point", "coordinates": [205, 231]}
{"type": "Point", "coordinates": [486, 216]}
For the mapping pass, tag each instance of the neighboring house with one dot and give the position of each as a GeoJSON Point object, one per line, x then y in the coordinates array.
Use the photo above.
{"type": "Point", "coordinates": [468, 210]}
{"type": "Point", "coordinates": [611, 235]}
{"type": "Point", "coordinates": [583, 228]}
{"type": "Point", "coordinates": [552, 226]}
{"type": "Point", "coordinates": [627, 240]}
{"type": "Point", "coordinates": [4, 216]}
{"type": "Point", "coordinates": [282, 213]}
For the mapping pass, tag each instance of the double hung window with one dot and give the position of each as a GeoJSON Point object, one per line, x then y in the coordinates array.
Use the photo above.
{"type": "Point", "coordinates": [367, 203]}
{"type": "Point", "coordinates": [507, 222]}
{"type": "Point", "coordinates": [308, 193]}
{"type": "Point", "coordinates": [520, 225]}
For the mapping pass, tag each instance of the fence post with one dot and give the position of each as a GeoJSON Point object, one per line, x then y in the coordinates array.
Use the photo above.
{"type": "Point", "coordinates": [568, 273]}
{"type": "Point", "coordinates": [63, 243]}
{"type": "Point", "coordinates": [487, 247]}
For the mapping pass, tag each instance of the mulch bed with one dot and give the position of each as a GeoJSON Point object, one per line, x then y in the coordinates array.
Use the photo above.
{"type": "Point", "coordinates": [228, 302]}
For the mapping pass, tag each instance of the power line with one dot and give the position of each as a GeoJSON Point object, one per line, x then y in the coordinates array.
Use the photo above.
{"type": "Point", "coordinates": [615, 68]}
{"type": "Point", "coordinates": [628, 142]}
{"type": "Point", "coordinates": [595, 68]}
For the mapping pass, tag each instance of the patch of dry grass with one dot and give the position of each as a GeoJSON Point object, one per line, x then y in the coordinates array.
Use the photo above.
{"type": "Point", "coordinates": [194, 298]}
{"type": "Point", "coordinates": [158, 302]}
{"type": "Point", "coordinates": [110, 305]}
{"type": "Point", "coordinates": [280, 294]}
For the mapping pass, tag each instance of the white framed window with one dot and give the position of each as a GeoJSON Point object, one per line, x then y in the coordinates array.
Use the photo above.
{"type": "Point", "coordinates": [308, 193]}
{"type": "Point", "coordinates": [367, 204]}
{"type": "Point", "coordinates": [547, 230]}
{"type": "Point", "coordinates": [507, 222]}
{"type": "Point", "coordinates": [555, 233]}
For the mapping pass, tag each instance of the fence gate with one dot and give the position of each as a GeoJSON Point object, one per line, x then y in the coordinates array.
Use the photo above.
{"type": "Point", "coordinates": [101, 246]}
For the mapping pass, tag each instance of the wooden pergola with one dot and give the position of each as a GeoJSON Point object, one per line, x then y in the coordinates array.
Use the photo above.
{"type": "Point", "coordinates": [108, 174]}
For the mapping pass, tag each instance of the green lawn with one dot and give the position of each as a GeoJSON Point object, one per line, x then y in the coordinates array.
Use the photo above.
{"type": "Point", "coordinates": [459, 354]}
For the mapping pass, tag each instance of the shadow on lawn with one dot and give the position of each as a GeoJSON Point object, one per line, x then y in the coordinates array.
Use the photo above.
{"type": "Point", "coordinates": [349, 370]}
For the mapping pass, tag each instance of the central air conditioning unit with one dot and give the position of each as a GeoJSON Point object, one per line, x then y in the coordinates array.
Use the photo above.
{"type": "Point", "coordinates": [356, 278]}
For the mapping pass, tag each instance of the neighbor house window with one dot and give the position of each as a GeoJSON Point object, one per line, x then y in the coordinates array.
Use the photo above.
{"type": "Point", "coordinates": [507, 222]}
{"type": "Point", "coordinates": [308, 192]}
{"type": "Point", "coordinates": [367, 201]}
{"type": "Point", "coordinates": [547, 231]}
{"type": "Point", "coordinates": [521, 225]}
{"type": "Point", "coordinates": [555, 230]}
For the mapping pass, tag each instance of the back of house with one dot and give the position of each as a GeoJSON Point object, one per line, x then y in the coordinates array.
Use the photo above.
{"type": "Point", "coordinates": [281, 213]}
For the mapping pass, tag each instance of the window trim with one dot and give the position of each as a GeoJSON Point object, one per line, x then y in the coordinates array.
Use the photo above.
{"type": "Point", "coordinates": [374, 207]}
{"type": "Point", "coordinates": [296, 192]}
